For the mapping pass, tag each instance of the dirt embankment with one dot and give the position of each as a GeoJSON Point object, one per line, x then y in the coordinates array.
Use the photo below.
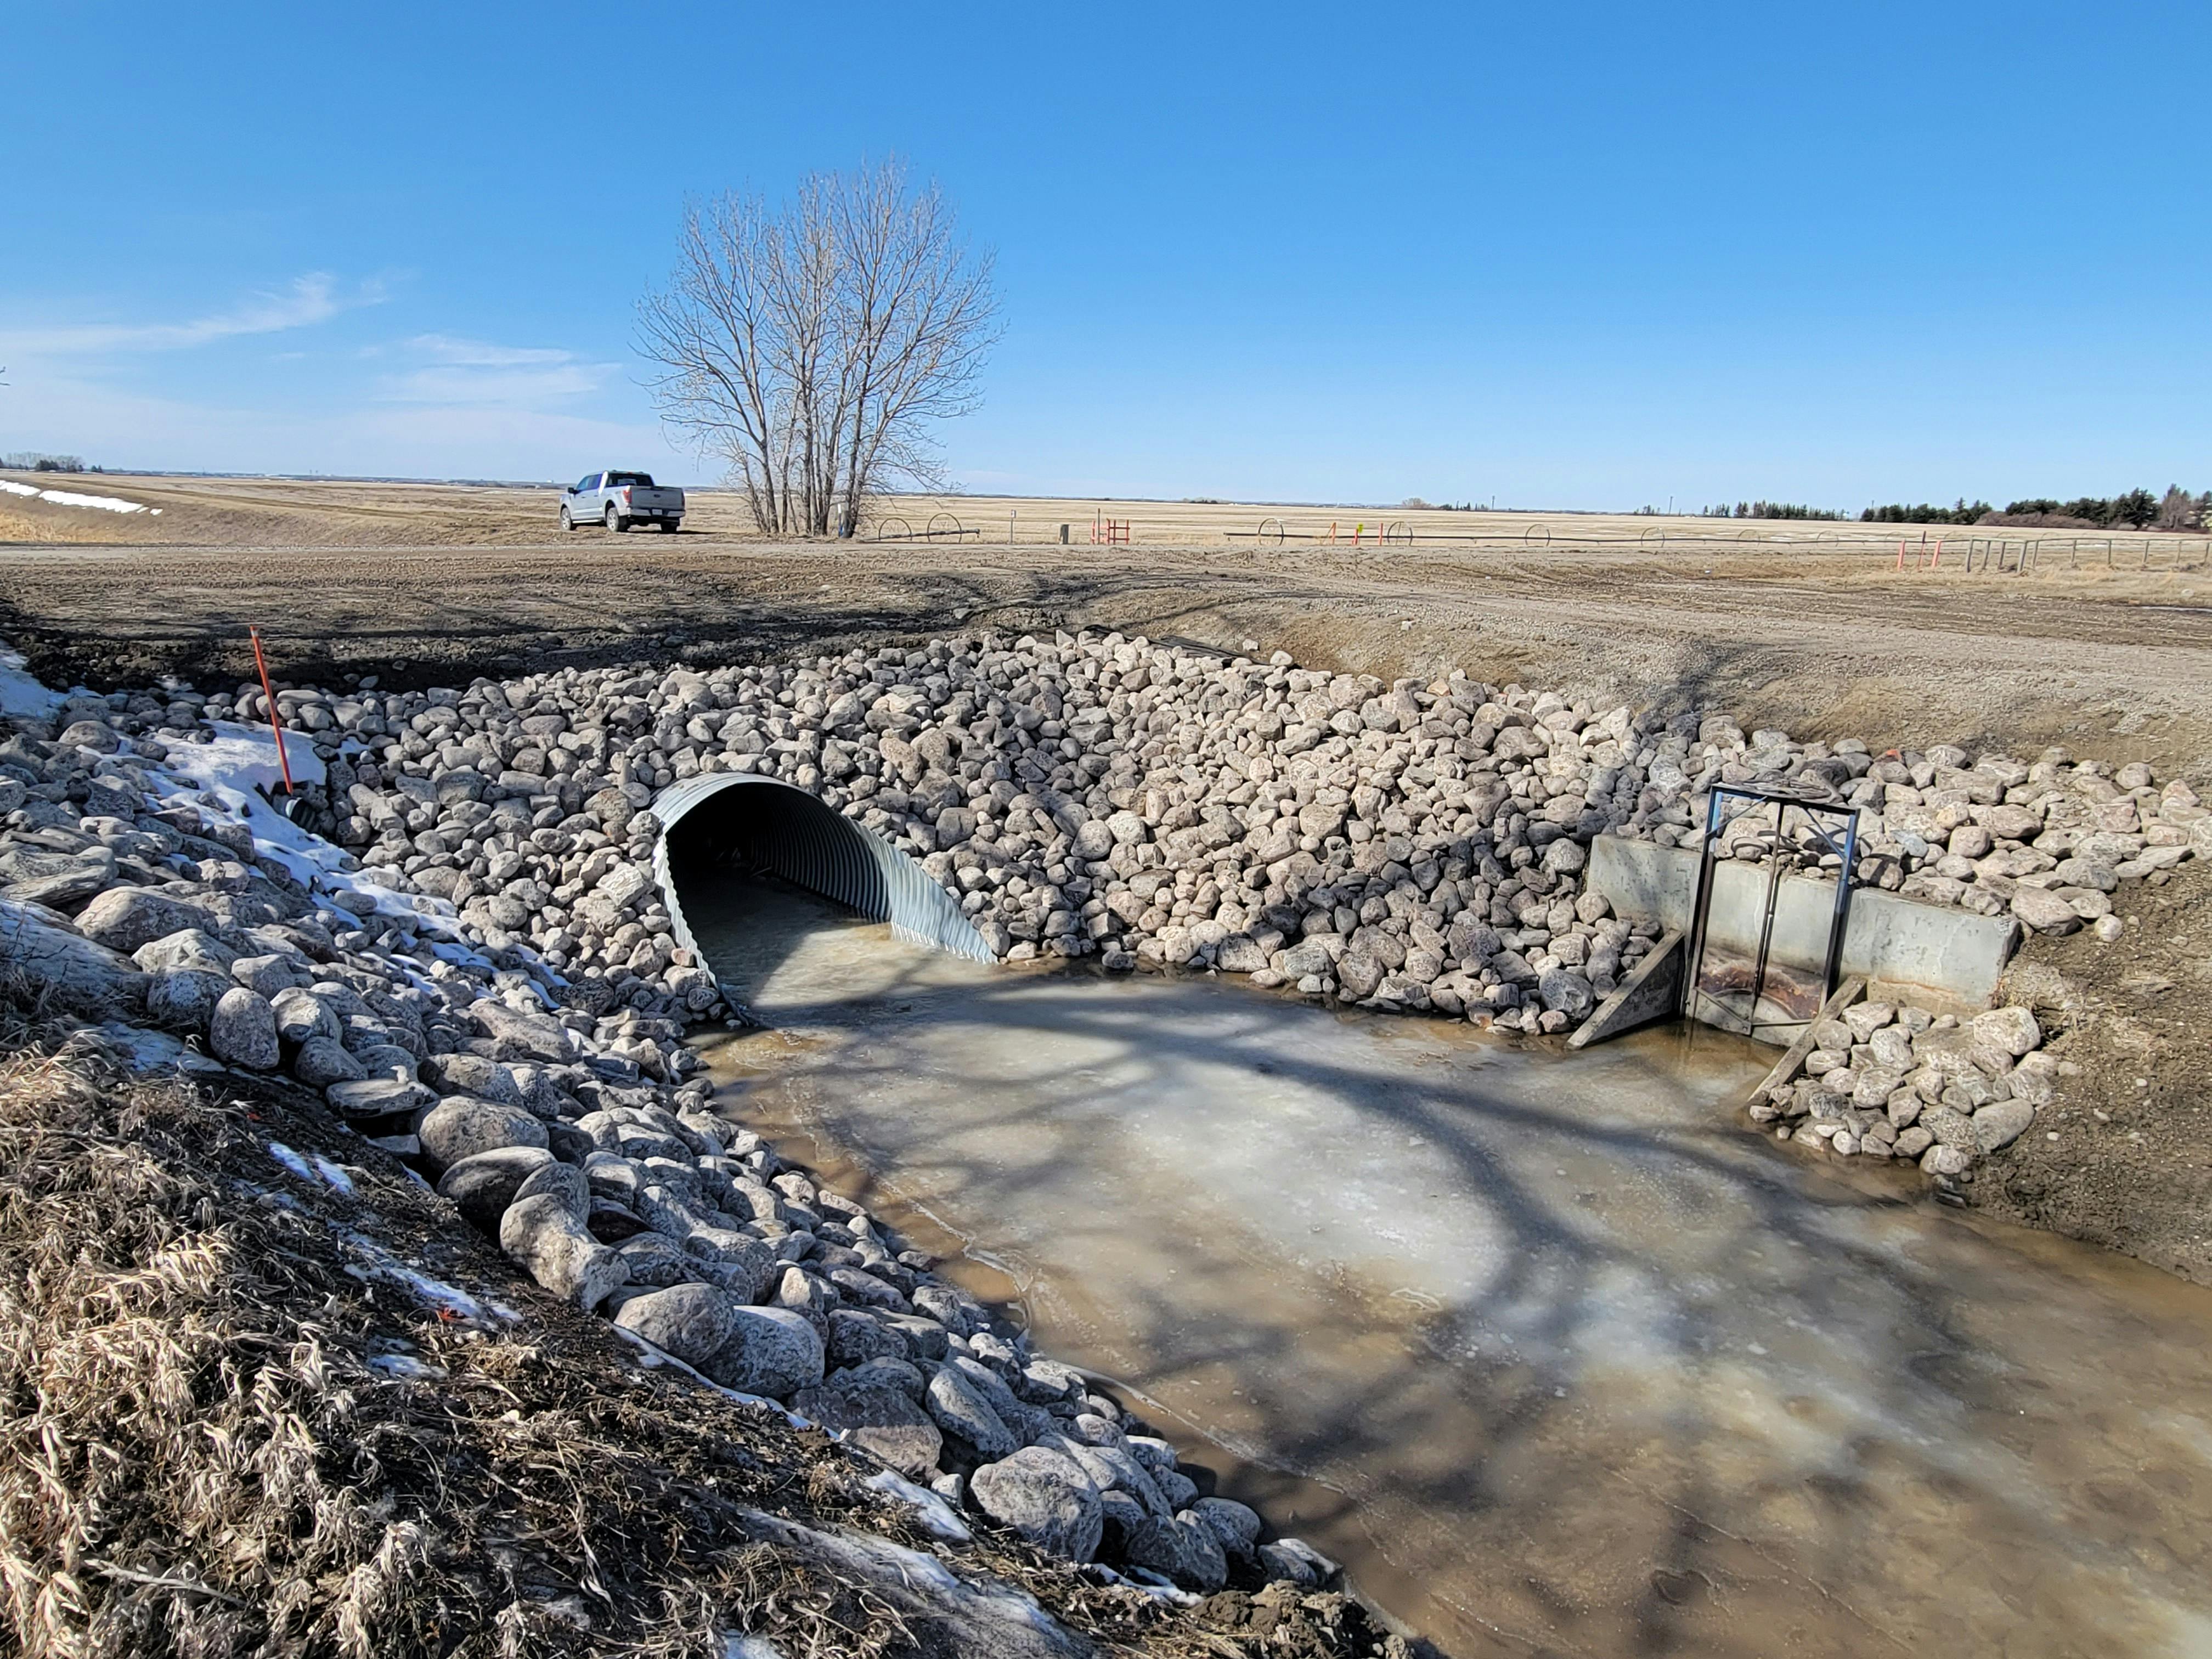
{"type": "Point", "coordinates": [2126, 1160]}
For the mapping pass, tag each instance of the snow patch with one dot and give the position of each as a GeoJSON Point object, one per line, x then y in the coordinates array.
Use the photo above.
{"type": "Point", "coordinates": [406, 1367]}
{"type": "Point", "coordinates": [239, 772]}
{"type": "Point", "coordinates": [20, 694]}
{"type": "Point", "coordinates": [448, 1298]}
{"type": "Point", "coordinates": [71, 498]}
{"type": "Point", "coordinates": [932, 1511]}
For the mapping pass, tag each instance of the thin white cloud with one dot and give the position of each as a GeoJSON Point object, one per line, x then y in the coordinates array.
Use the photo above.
{"type": "Point", "coordinates": [311, 299]}
{"type": "Point", "coordinates": [479, 354]}
{"type": "Point", "coordinates": [462, 374]}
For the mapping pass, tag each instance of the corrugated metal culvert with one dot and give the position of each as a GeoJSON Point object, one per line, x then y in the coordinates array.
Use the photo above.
{"type": "Point", "coordinates": [738, 817]}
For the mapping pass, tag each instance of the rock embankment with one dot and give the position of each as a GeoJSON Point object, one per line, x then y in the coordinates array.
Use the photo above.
{"type": "Point", "coordinates": [489, 984]}
{"type": "Point", "coordinates": [1414, 845]}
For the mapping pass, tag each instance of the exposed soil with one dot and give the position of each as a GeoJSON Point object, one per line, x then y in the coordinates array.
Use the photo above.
{"type": "Point", "coordinates": [428, 585]}
{"type": "Point", "coordinates": [2125, 1159]}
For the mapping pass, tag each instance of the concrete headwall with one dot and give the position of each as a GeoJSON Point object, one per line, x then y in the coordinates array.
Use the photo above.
{"type": "Point", "coordinates": [1934, 956]}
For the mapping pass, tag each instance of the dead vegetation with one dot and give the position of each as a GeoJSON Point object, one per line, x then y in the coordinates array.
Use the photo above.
{"type": "Point", "coordinates": [230, 1424]}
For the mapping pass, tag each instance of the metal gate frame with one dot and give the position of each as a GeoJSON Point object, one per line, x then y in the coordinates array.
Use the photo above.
{"type": "Point", "coordinates": [1717, 821]}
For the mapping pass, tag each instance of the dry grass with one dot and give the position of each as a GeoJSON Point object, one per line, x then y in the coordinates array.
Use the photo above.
{"type": "Point", "coordinates": [200, 1456]}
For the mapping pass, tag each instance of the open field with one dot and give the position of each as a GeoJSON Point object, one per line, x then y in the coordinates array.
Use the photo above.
{"type": "Point", "coordinates": [204, 510]}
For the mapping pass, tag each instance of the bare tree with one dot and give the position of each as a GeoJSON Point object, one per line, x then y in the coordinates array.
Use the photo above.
{"type": "Point", "coordinates": [2179, 510]}
{"type": "Point", "coordinates": [811, 346]}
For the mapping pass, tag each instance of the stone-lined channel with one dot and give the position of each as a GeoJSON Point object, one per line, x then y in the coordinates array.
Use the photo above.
{"type": "Point", "coordinates": [1578, 1366]}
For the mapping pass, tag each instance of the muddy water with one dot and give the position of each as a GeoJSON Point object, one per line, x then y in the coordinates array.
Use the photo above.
{"type": "Point", "coordinates": [1556, 1355]}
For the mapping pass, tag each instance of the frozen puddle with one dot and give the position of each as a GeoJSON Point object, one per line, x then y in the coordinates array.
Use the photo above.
{"type": "Point", "coordinates": [1563, 1359]}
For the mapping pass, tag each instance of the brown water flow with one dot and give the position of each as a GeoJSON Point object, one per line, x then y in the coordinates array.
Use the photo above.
{"type": "Point", "coordinates": [1583, 1366]}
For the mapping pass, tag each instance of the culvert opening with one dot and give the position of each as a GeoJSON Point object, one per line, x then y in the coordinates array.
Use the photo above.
{"type": "Point", "coordinates": [736, 828]}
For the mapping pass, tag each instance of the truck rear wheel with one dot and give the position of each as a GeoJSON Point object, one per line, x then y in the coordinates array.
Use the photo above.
{"type": "Point", "coordinates": [615, 522]}
{"type": "Point", "coordinates": [668, 526]}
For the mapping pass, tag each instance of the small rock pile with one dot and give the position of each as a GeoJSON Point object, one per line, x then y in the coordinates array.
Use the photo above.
{"type": "Point", "coordinates": [1885, 1081]}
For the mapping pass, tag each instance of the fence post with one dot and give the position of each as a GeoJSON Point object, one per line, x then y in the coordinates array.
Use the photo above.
{"type": "Point", "coordinates": [276, 723]}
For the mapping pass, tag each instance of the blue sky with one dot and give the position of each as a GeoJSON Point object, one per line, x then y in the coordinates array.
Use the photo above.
{"type": "Point", "coordinates": [1588, 256]}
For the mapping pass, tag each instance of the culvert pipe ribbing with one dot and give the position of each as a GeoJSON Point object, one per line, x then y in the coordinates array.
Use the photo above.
{"type": "Point", "coordinates": [727, 818]}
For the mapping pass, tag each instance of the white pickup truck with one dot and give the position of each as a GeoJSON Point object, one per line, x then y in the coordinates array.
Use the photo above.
{"type": "Point", "coordinates": [619, 500]}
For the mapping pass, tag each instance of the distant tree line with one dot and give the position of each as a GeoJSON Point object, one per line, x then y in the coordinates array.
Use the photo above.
{"type": "Point", "coordinates": [1768, 510]}
{"type": "Point", "coordinates": [2138, 509]}
{"type": "Point", "coordinates": [1898, 512]}
{"type": "Point", "coordinates": [26, 460]}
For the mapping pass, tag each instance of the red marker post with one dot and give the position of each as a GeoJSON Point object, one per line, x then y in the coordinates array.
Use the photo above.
{"type": "Point", "coordinates": [276, 725]}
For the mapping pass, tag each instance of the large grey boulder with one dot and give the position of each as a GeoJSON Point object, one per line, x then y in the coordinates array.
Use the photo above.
{"type": "Point", "coordinates": [188, 947]}
{"type": "Point", "coordinates": [2045, 911]}
{"type": "Point", "coordinates": [267, 974]}
{"type": "Point", "coordinates": [960, 1409]}
{"type": "Point", "coordinates": [472, 1074]}
{"type": "Point", "coordinates": [1566, 991]}
{"type": "Point", "coordinates": [183, 999]}
{"type": "Point", "coordinates": [653, 1259]}
{"type": "Point", "coordinates": [43, 958]}
{"type": "Point", "coordinates": [873, 1412]}
{"type": "Point", "coordinates": [125, 918]}
{"type": "Point", "coordinates": [517, 1034]}
{"type": "Point", "coordinates": [242, 1029]}
{"type": "Point", "coordinates": [1236, 1525]}
{"type": "Point", "coordinates": [302, 1015]}
{"type": "Point", "coordinates": [1183, 1547]}
{"type": "Point", "coordinates": [360, 1098]}
{"type": "Point", "coordinates": [57, 880]}
{"type": "Point", "coordinates": [2001, 1122]}
{"type": "Point", "coordinates": [691, 1322]}
{"type": "Point", "coordinates": [562, 1180]}
{"type": "Point", "coordinates": [770, 1350]}
{"type": "Point", "coordinates": [556, 1250]}
{"type": "Point", "coordinates": [323, 1061]}
{"type": "Point", "coordinates": [460, 1126]}
{"type": "Point", "coordinates": [482, 1185]}
{"type": "Point", "coordinates": [2009, 1032]}
{"type": "Point", "coordinates": [855, 1338]}
{"type": "Point", "coordinates": [1044, 1497]}
{"type": "Point", "coordinates": [1111, 1469]}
